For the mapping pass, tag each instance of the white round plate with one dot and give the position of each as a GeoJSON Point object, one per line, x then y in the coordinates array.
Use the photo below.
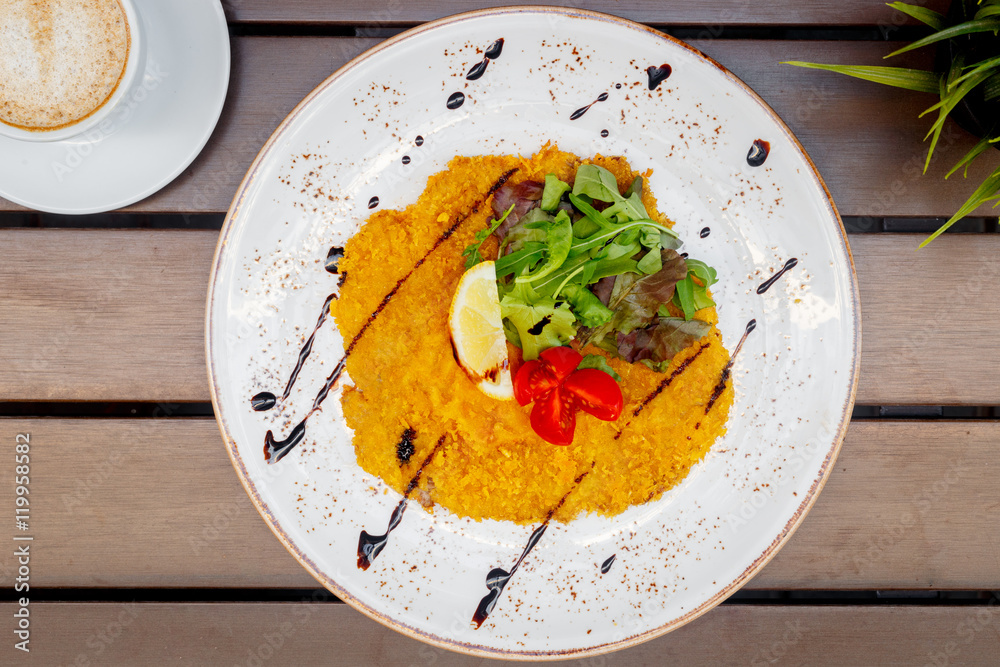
{"type": "Point", "coordinates": [152, 135]}
{"type": "Point", "coordinates": [309, 190]}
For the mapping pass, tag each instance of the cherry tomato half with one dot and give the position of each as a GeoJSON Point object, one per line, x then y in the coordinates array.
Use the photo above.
{"type": "Point", "coordinates": [558, 389]}
{"type": "Point", "coordinates": [533, 380]}
{"type": "Point", "coordinates": [561, 360]}
{"type": "Point", "coordinates": [553, 417]}
{"type": "Point", "coordinates": [595, 392]}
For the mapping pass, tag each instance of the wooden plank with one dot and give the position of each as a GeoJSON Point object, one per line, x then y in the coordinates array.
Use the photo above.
{"type": "Point", "coordinates": [307, 633]}
{"type": "Point", "coordinates": [75, 326]}
{"type": "Point", "coordinates": [908, 506]}
{"type": "Point", "coordinates": [864, 138]}
{"type": "Point", "coordinates": [711, 15]}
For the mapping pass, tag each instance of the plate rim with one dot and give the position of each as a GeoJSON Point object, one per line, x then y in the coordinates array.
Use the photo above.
{"type": "Point", "coordinates": [479, 650]}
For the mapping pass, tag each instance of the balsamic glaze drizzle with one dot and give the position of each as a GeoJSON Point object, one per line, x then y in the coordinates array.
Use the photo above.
{"type": "Point", "coordinates": [582, 110]}
{"type": "Point", "coordinates": [456, 100]}
{"type": "Point", "coordinates": [758, 153]}
{"type": "Point", "coordinates": [670, 378]}
{"type": "Point", "coordinates": [373, 202]}
{"type": "Point", "coordinates": [419, 141]}
{"type": "Point", "coordinates": [406, 159]}
{"type": "Point", "coordinates": [606, 565]}
{"type": "Point", "coordinates": [333, 257]}
{"type": "Point", "coordinates": [497, 578]}
{"type": "Point", "coordinates": [275, 450]}
{"type": "Point", "coordinates": [370, 546]}
{"type": "Point", "coordinates": [726, 371]}
{"type": "Point", "coordinates": [265, 400]}
{"type": "Point", "coordinates": [307, 348]}
{"type": "Point", "coordinates": [604, 133]}
{"type": "Point", "coordinates": [766, 285]}
{"type": "Point", "coordinates": [658, 75]}
{"type": "Point", "coordinates": [705, 232]}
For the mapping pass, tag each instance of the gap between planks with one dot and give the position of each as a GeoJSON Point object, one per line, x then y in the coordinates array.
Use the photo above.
{"type": "Point", "coordinates": [864, 138]}
{"type": "Point", "coordinates": [708, 15]}
{"type": "Point", "coordinates": [907, 506]}
{"type": "Point", "coordinates": [322, 634]}
{"type": "Point", "coordinates": [77, 327]}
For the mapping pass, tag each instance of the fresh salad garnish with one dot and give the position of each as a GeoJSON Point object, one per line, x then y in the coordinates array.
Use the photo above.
{"type": "Point", "coordinates": [585, 263]}
{"type": "Point", "coordinates": [560, 383]}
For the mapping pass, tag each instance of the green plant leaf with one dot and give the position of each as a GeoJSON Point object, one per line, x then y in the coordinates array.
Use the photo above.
{"type": "Point", "coordinates": [928, 16]}
{"type": "Point", "coordinates": [943, 109]}
{"type": "Point", "coordinates": [976, 151]}
{"type": "Point", "coordinates": [967, 28]}
{"type": "Point", "coordinates": [898, 77]}
{"type": "Point", "coordinates": [982, 66]}
{"type": "Point", "coordinates": [988, 11]}
{"type": "Point", "coordinates": [988, 191]}
{"type": "Point", "coordinates": [991, 89]}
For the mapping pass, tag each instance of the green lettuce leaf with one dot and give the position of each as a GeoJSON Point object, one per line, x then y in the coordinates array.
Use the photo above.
{"type": "Point", "coordinates": [541, 322]}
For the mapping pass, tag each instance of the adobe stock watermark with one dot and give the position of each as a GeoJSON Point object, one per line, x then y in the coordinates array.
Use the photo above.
{"type": "Point", "coordinates": [82, 147]}
{"type": "Point", "coordinates": [85, 487]}
{"type": "Point", "coordinates": [274, 638]}
{"type": "Point", "coordinates": [106, 634]}
{"type": "Point", "coordinates": [779, 647]}
{"type": "Point", "coordinates": [974, 623]}
{"type": "Point", "coordinates": [924, 501]}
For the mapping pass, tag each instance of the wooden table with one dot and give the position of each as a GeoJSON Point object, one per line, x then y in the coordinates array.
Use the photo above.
{"type": "Point", "coordinates": [146, 550]}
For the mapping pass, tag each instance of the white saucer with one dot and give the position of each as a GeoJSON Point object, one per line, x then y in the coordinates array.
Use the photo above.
{"type": "Point", "coordinates": [152, 136]}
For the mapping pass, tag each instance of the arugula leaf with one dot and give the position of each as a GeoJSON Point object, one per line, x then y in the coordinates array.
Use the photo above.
{"type": "Point", "coordinates": [518, 262]}
{"type": "Point", "coordinates": [600, 184]}
{"type": "Point", "coordinates": [650, 263]}
{"type": "Point", "coordinates": [601, 364]}
{"type": "Point", "coordinates": [597, 183]}
{"type": "Point", "coordinates": [553, 192]}
{"type": "Point", "coordinates": [471, 252]}
{"type": "Point", "coordinates": [587, 307]}
{"type": "Point", "coordinates": [558, 241]}
{"type": "Point", "coordinates": [690, 296]}
{"type": "Point", "coordinates": [541, 322]}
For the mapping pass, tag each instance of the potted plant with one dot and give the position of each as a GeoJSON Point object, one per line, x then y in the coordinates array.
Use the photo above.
{"type": "Point", "coordinates": [966, 81]}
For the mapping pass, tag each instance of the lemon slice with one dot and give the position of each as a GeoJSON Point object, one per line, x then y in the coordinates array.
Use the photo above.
{"type": "Point", "coordinates": [477, 331]}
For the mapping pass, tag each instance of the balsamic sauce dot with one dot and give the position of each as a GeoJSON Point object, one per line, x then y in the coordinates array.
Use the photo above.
{"type": "Point", "coordinates": [456, 100]}
{"type": "Point", "coordinates": [404, 448]}
{"type": "Point", "coordinates": [658, 75]}
{"type": "Point", "coordinates": [477, 70]}
{"type": "Point", "coordinates": [373, 202]}
{"type": "Point", "coordinates": [265, 400]}
{"type": "Point", "coordinates": [333, 258]}
{"type": "Point", "coordinates": [406, 159]}
{"type": "Point", "coordinates": [495, 49]}
{"type": "Point", "coordinates": [704, 232]}
{"type": "Point", "coordinates": [758, 153]}
{"type": "Point", "coordinates": [606, 565]}
{"type": "Point", "coordinates": [604, 133]}
{"type": "Point", "coordinates": [419, 141]}
{"type": "Point", "coordinates": [602, 97]}
{"type": "Point", "coordinates": [618, 86]}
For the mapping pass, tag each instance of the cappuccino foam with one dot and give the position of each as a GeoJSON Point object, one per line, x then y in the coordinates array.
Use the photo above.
{"type": "Point", "coordinates": [60, 60]}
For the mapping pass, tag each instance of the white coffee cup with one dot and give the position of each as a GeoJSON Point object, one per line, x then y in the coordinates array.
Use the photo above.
{"type": "Point", "coordinates": [103, 109]}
